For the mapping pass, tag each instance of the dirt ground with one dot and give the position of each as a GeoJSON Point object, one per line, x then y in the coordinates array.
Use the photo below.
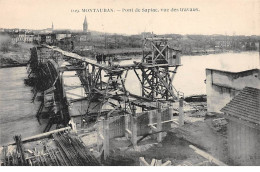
{"type": "Point", "coordinates": [171, 148]}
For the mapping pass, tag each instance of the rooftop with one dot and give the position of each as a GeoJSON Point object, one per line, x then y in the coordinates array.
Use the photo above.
{"type": "Point", "coordinates": [245, 107]}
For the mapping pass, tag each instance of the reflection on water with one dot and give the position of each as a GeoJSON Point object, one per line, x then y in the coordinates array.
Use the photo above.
{"type": "Point", "coordinates": [17, 113]}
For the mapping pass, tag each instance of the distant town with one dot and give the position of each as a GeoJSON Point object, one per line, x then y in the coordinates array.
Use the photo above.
{"type": "Point", "coordinates": [85, 41]}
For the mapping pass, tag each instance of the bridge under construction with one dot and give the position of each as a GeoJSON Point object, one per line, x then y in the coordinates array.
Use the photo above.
{"type": "Point", "coordinates": [104, 84]}
{"type": "Point", "coordinates": [94, 116]}
{"type": "Point", "coordinates": [80, 91]}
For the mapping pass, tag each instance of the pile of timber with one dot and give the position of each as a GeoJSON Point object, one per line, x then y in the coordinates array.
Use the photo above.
{"type": "Point", "coordinates": [69, 151]}
{"type": "Point", "coordinates": [73, 151]}
{"type": "Point", "coordinates": [17, 157]}
{"type": "Point", "coordinates": [196, 98]}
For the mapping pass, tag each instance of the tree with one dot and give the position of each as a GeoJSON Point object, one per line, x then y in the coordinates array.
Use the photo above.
{"type": "Point", "coordinates": [5, 46]}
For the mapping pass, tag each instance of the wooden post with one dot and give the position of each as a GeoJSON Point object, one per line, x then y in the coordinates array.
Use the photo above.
{"type": "Point", "coordinates": [100, 133]}
{"type": "Point", "coordinates": [100, 78]}
{"type": "Point", "coordinates": [73, 125]}
{"type": "Point", "coordinates": [170, 111]}
{"type": "Point", "coordinates": [134, 128]}
{"type": "Point", "coordinates": [126, 126]}
{"type": "Point", "coordinates": [159, 122]}
{"type": "Point", "coordinates": [84, 71]}
{"type": "Point", "coordinates": [181, 115]}
{"type": "Point", "coordinates": [151, 114]}
{"type": "Point", "coordinates": [106, 138]}
{"type": "Point", "coordinates": [62, 84]}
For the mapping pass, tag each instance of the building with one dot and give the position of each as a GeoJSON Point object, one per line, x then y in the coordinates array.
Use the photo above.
{"type": "Point", "coordinates": [222, 86]}
{"type": "Point", "coordinates": [46, 38]}
{"type": "Point", "coordinates": [22, 36]}
{"type": "Point", "coordinates": [36, 38]}
{"type": "Point", "coordinates": [85, 25]}
{"type": "Point", "coordinates": [243, 113]}
{"type": "Point", "coordinates": [14, 37]}
{"type": "Point", "coordinates": [29, 38]}
{"type": "Point", "coordinates": [61, 34]}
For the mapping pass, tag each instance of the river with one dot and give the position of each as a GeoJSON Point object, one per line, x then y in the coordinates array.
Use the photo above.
{"type": "Point", "coordinates": [190, 77]}
{"type": "Point", "coordinates": [17, 112]}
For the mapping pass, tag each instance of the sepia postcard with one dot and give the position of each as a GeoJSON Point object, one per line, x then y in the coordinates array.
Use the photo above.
{"type": "Point", "coordinates": [130, 83]}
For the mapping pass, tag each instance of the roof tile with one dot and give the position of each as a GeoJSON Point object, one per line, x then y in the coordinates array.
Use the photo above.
{"type": "Point", "coordinates": [245, 105]}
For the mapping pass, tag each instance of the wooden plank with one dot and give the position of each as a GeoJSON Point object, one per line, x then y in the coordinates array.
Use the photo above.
{"type": "Point", "coordinates": [101, 137]}
{"type": "Point", "coordinates": [158, 163]}
{"type": "Point", "coordinates": [49, 90]}
{"type": "Point", "coordinates": [143, 162]}
{"type": "Point", "coordinates": [129, 132]}
{"type": "Point", "coordinates": [167, 163]}
{"type": "Point", "coordinates": [39, 136]}
{"type": "Point", "coordinates": [153, 128]}
{"type": "Point", "coordinates": [207, 156]}
{"type": "Point", "coordinates": [153, 162]}
{"type": "Point", "coordinates": [163, 122]}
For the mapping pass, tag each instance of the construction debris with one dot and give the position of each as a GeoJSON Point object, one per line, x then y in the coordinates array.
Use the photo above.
{"type": "Point", "coordinates": [154, 162]}
{"type": "Point", "coordinates": [68, 151]}
{"type": "Point", "coordinates": [74, 152]}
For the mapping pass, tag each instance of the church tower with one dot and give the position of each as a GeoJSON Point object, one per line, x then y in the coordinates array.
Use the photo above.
{"type": "Point", "coordinates": [85, 25]}
{"type": "Point", "coordinates": [52, 27]}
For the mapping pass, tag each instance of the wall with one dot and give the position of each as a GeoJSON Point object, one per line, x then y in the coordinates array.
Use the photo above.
{"type": "Point", "coordinates": [243, 144]}
{"type": "Point", "coordinates": [117, 124]}
{"type": "Point", "coordinates": [222, 86]}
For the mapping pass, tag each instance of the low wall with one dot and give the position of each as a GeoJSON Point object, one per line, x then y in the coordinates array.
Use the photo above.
{"type": "Point", "coordinates": [117, 124]}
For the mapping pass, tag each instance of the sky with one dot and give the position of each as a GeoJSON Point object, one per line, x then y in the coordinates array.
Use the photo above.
{"type": "Point", "coordinates": [231, 17]}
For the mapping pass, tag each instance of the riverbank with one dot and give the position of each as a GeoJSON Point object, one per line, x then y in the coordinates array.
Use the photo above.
{"type": "Point", "coordinates": [17, 55]}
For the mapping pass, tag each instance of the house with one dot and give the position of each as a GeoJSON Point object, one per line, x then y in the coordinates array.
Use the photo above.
{"type": "Point", "coordinates": [37, 38]}
{"type": "Point", "coordinates": [81, 37]}
{"type": "Point", "coordinates": [14, 37]}
{"type": "Point", "coordinates": [21, 36]}
{"type": "Point", "coordinates": [61, 34]}
{"type": "Point", "coordinates": [243, 113]}
{"type": "Point", "coordinates": [28, 37]}
{"type": "Point", "coordinates": [222, 86]}
{"type": "Point", "coordinates": [47, 38]}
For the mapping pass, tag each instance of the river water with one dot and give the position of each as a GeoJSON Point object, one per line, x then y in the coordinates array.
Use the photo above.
{"type": "Point", "coordinates": [190, 77]}
{"type": "Point", "coordinates": [17, 112]}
